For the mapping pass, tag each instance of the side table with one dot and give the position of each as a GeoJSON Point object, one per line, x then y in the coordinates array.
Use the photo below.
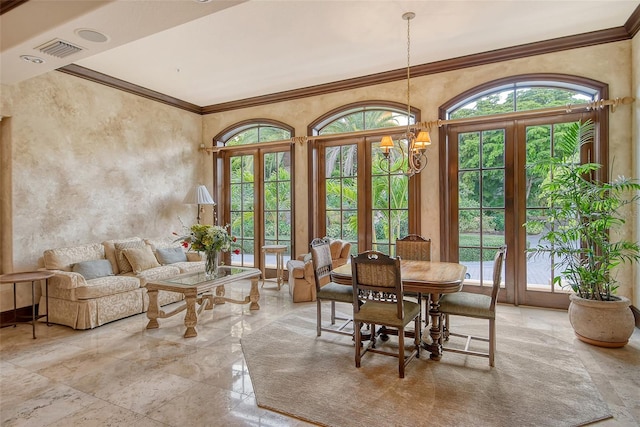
{"type": "Point", "coordinates": [279, 251]}
{"type": "Point", "coordinates": [33, 277]}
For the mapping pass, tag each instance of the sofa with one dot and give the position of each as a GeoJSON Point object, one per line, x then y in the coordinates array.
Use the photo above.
{"type": "Point", "coordinates": [98, 283]}
{"type": "Point", "coordinates": [302, 282]}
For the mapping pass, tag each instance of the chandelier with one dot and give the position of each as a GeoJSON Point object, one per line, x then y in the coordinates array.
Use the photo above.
{"type": "Point", "coordinates": [416, 143]}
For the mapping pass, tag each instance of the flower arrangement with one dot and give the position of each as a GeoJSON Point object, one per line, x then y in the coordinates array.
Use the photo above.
{"type": "Point", "coordinates": [208, 238]}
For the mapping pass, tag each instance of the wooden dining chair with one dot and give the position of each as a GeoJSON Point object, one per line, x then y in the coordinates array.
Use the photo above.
{"type": "Point", "coordinates": [475, 305]}
{"type": "Point", "coordinates": [415, 247]}
{"type": "Point", "coordinates": [326, 290]}
{"type": "Point", "coordinates": [377, 285]}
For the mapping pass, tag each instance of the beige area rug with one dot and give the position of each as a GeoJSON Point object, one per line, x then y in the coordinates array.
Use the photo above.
{"type": "Point", "coordinates": [538, 381]}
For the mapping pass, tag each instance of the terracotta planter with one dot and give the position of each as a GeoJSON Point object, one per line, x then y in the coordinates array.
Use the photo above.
{"type": "Point", "coordinates": [602, 323]}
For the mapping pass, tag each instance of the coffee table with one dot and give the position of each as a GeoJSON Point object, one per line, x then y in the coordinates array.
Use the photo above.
{"type": "Point", "coordinates": [198, 288]}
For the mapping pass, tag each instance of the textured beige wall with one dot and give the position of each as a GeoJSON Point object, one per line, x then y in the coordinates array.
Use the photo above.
{"type": "Point", "coordinates": [427, 94]}
{"type": "Point", "coordinates": [91, 163]}
{"type": "Point", "coordinates": [635, 127]}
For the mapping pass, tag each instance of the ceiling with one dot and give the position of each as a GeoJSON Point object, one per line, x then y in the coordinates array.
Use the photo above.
{"type": "Point", "coordinates": [211, 52]}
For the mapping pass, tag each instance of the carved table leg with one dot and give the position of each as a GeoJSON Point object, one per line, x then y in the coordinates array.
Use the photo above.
{"type": "Point", "coordinates": [191, 317]}
{"type": "Point", "coordinates": [435, 332]}
{"type": "Point", "coordinates": [254, 295]}
{"type": "Point", "coordinates": [154, 308]}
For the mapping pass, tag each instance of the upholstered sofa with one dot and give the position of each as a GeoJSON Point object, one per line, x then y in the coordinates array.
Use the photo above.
{"type": "Point", "coordinates": [302, 282]}
{"type": "Point", "coordinates": [97, 283]}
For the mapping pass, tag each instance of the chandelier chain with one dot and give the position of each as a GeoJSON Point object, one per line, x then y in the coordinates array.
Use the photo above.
{"type": "Point", "coordinates": [408, 70]}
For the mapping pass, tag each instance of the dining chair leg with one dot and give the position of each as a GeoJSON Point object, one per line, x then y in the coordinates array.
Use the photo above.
{"type": "Point", "coordinates": [401, 352]}
{"type": "Point", "coordinates": [417, 335]}
{"type": "Point", "coordinates": [492, 340]}
{"type": "Point", "coordinates": [358, 341]}
{"type": "Point", "coordinates": [445, 329]}
{"type": "Point", "coordinates": [319, 318]}
{"type": "Point", "coordinates": [333, 312]}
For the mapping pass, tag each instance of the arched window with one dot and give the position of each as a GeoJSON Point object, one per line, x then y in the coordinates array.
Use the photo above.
{"type": "Point", "coordinates": [253, 132]}
{"type": "Point", "coordinates": [255, 170]}
{"type": "Point", "coordinates": [521, 96]}
{"type": "Point", "coordinates": [492, 186]}
{"type": "Point", "coordinates": [357, 198]}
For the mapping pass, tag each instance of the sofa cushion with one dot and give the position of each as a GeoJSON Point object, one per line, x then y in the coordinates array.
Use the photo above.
{"type": "Point", "coordinates": [140, 258]}
{"type": "Point", "coordinates": [124, 266]}
{"type": "Point", "coordinates": [110, 251]}
{"type": "Point", "coordinates": [93, 269]}
{"type": "Point", "coordinates": [171, 255]}
{"type": "Point", "coordinates": [64, 258]}
{"type": "Point", "coordinates": [108, 285]}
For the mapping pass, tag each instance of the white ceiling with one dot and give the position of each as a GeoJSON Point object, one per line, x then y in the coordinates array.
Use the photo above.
{"type": "Point", "coordinates": [220, 51]}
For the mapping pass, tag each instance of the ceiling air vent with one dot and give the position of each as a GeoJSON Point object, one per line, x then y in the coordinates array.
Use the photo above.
{"type": "Point", "coordinates": [59, 48]}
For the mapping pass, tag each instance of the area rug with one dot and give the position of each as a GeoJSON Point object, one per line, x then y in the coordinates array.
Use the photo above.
{"type": "Point", "coordinates": [538, 380]}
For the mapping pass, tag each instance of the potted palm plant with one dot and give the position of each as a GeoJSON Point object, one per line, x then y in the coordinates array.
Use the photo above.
{"type": "Point", "coordinates": [583, 214]}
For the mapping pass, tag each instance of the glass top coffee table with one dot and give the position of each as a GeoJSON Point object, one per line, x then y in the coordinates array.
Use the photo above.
{"type": "Point", "coordinates": [198, 289]}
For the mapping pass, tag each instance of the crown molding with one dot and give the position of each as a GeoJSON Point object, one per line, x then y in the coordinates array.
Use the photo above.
{"type": "Point", "coordinates": [633, 23]}
{"type": "Point", "coordinates": [499, 55]}
{"type": "Point", "coordinates": [7, 5]}
{"type": "Point", "coordinates": [94, 76]}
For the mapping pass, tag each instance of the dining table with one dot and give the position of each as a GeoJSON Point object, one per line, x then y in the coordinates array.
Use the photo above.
{"type": "Point", "coordinates": [423, 277]}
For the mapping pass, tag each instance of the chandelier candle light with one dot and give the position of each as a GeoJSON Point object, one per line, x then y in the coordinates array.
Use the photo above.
{"type": "Point", "coordinates": [417, 144]}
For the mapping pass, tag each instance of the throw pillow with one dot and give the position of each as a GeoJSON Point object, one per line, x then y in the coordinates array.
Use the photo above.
{"type": "Point", "coordinates": [171, 255]}
{"type": "Point", "coordinates": [93, 269]}
{"type": "Point", "coordinates": [141, 258]}
{"type": "Point", "coordinates": [123, 263]}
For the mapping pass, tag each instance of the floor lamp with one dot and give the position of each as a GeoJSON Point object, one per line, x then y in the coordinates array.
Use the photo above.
{"type": "Point", "coordinates": [199, 195]}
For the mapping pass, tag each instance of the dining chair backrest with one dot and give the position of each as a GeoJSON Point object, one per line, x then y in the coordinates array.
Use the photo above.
{"type": "Point", "coordinates": [376, 276]}
{"type": "Point", "coordinates": [414, 247]}
{"type": "Point", "coordinates": [498, 260]}
{"type": "Point", "coordinates": [322, 264]}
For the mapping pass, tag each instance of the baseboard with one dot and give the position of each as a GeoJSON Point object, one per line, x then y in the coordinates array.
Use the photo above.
{"type": "Point", "coordinates": [636, 315]}
{"type": "Point", "coordinates": [6, 317]}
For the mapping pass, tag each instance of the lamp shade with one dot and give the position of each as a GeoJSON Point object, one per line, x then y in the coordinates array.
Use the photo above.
{"type": "Point", "coordinates": [386, 142]}
{"type": "Point", "coordinates": [422, 140]}
{"type": "Point", "coordinates": [199, 195]}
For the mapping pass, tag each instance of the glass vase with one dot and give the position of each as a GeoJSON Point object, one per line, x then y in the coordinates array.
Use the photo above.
{"type": "Point", "coordinates": [211, 264]}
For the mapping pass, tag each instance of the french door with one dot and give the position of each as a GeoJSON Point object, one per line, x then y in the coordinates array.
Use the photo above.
{"type": "Point", "coordinates": [492, 189]}
{"type": "Point", "coordinates": [259, 202]}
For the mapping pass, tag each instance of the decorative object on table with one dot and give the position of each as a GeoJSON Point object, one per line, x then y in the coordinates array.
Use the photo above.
{"type": "Point", "coordinates": [199, 195]}
{"type": "Point", "coordinates": [210, 239]}
{"type": "Point", "coordinates": [581, 213]}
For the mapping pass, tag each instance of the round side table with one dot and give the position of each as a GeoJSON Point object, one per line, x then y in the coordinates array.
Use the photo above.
{"type": "Point", "coordinates": [279, 251]}
{"type": "Point", "coordinates": [33, 277]}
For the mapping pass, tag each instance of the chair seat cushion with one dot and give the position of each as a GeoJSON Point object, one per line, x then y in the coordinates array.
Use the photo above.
{"type": "Point", "coordinates": [336, 292]}
{"type": "Point", "coordinates": [467, 304]}
{"type": "Point", "coordinates": [383, 313]}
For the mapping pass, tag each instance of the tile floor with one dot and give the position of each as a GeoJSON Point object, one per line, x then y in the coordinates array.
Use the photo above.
{"type": "Point", "coordinates": [121, 374]}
